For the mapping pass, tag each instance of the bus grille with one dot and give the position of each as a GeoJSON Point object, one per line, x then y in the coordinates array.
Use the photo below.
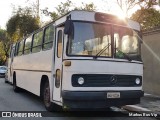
{"type": "Point", "coordinates": [106, 80]}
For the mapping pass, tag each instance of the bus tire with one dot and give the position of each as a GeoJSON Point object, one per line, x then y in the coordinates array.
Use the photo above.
{"type": "Point", "coordinates": [46, 99]}
{"type": "Point", "coordinates": [15, 88]}
{"type": "Point", "coordinates": [5, 81]}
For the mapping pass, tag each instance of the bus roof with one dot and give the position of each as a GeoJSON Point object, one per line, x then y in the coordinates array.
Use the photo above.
{"type": "Point", "coordinates": [81, 15]}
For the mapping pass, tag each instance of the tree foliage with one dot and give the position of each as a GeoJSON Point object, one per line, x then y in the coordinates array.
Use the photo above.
{"type": "Point", "coordinates": [67, 6]}
{"type": "Point", "coordinates": [4, 46]}
{"type": "Point", "coordinates": [148, 18]}
{"type": "Point", "coordinates": [127, 5]}
{"type": "Point", "coordinates": [22, 23]}
{"type": "Point", "coordinates": [147, 4]}
{"type": "Point", "coordinates": [64, 8]}
{"type": "Point", "coordinates": [87, 7]}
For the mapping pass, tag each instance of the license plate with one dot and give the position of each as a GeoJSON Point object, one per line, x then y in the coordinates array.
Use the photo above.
{"type": "Point", "coordinates": [113, 95]}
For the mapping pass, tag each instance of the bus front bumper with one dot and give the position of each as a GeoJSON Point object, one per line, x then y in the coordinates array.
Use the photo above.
{"type": "Point", "coordinates": [98, 99]}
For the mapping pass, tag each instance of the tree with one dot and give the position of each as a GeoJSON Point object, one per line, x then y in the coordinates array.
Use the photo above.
{"type": "Point", "coordinates": [87, 7]}
{"type": "Point", "coordinates": [64, 8]}
{"type": "Point", "coordinates": [4, 46]}
{"type": "Point", "coordinates": [23, 22]}
{"type": "Point", "coordinates": [148, 18]}
{"type": "Point", "coordinates": [127, 5]}
{"type": "Point", "coordinates": [147, 4]}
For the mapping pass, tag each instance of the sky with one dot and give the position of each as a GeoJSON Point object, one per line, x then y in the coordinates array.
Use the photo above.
{"type": "Point", "coordinates": [6, 7]}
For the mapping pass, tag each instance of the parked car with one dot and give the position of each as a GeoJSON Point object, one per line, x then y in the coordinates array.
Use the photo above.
{"type": "Point", "coordinates": [3, 70]}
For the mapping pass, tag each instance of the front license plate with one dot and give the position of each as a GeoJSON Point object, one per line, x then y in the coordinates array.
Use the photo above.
{"type": "Point", "coordinates": [113, 95]}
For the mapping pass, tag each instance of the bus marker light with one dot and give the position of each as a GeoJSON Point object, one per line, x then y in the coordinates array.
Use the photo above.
{"type": "Point", "coordinates": [67, 63]}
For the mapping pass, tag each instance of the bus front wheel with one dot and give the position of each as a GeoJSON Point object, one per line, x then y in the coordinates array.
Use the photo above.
{"type": "Point", "coordinates": [46, 99]}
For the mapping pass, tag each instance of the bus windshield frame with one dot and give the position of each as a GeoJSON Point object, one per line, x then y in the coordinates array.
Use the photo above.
{"type": "Point", "coordinates": [119, 39]}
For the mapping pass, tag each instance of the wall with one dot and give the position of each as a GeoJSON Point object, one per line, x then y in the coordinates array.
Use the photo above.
{"type": "Point", "coordinates": [151, 59]}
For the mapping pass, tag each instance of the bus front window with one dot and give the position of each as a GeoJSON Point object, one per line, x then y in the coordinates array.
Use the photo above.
{"type": "Point", "coordinates": [89, 39]}
{"type": "Point", "coordinates": [126, 42]}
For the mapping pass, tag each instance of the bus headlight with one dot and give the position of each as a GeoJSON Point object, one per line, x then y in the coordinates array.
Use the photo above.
{"type": "Point", "coordinates": [80, 80]}
{"type": "Point", "coordinates": [137, 81]}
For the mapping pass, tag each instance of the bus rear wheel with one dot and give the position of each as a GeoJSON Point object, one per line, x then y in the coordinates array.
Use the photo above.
{"type": "Point", "coordinates": [15, 88]}
{"type": "Point", "coordinates": [46, 99]}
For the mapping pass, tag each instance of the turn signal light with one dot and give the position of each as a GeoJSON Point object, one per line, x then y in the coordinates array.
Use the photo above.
{"type": "Point", "coordinates": [67, 63]}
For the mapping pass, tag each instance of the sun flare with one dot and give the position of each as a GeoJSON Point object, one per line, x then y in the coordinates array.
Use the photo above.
{"type": "Point", "coordinates": [120, 15]}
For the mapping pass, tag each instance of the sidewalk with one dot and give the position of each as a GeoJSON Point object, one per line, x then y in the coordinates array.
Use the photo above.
{"type": "Point", "coordinates": [149, 103]}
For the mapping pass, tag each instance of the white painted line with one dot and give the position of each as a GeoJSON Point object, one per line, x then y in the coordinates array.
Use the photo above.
{"type": "Point", "coordinates": [146, 94]}
{"type": "Point", "coordinates": [135, 108]}
{"type": "Point", "coordinates": [150, 95]}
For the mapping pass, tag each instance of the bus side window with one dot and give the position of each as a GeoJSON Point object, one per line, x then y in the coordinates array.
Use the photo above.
{"type": "Point", "coordinates": [10, 50]}
{"type": "Point", "coordinates": [59, 44]}
{"type": "Point", "coordinates": [48, 38]}
{"type": "Point", "coordinates": [16, 50]}
{"type": "Point", "coordinates": [27, 47]}
{"type": "Point", "coordinates": [20, 48]}
{"type": "Point", "coordinates": [37, 42]}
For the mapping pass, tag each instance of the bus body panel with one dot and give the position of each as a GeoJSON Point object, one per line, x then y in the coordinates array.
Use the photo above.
{"type": "Point", "coordinates": [28, 69]}
{"type": "Point", "coordinates": [30, 80]}
{"type": "Point", "coordinates": [29, 62]}
{"type": "Point", "coordinates": [100, 67]}
{"type": "Point", "coordinates": [110, 67]}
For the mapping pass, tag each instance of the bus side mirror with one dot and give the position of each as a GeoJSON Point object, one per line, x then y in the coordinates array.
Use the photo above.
{"type": "Point", "coordinates": [68, 28]}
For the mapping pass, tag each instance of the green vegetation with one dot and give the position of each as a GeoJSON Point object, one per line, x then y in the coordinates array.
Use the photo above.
{"type": "Point", "coordinates": [67, 6]}
{"type": "Point", "coordinates": [127, 5]}
{"type": "Point", "coordinates": [4, 46]}
{"type": "Point", "coordinates": [23, 22]}
{"type": "Point", "coordinates": [148, 18]}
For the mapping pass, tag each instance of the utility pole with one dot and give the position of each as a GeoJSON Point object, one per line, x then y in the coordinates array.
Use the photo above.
{"type": "Point", "coordinates": [38, 8]}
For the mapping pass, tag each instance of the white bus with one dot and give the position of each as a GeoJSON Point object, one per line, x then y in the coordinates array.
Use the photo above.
{"type": "Point", "coordinates": [82, 60]}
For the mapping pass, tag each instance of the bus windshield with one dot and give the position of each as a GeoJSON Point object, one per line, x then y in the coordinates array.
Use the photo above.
{"type": "Point", "coordinates": [88, 39]}
{"type": "Point", "coordinates": [125, 43]}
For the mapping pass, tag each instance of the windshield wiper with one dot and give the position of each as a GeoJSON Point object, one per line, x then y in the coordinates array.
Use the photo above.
{"type": "Point", "coordinates": [125, 54]}
{"type": "Point", "coordinates": [101, 51]}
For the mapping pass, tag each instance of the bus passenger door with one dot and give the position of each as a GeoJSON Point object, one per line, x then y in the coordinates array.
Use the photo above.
{"type": "Point", "coordinates": [58, 64]}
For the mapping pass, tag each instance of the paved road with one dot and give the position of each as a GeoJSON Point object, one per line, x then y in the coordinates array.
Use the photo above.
{"type": "Point", "coordinates": [25, 101]}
